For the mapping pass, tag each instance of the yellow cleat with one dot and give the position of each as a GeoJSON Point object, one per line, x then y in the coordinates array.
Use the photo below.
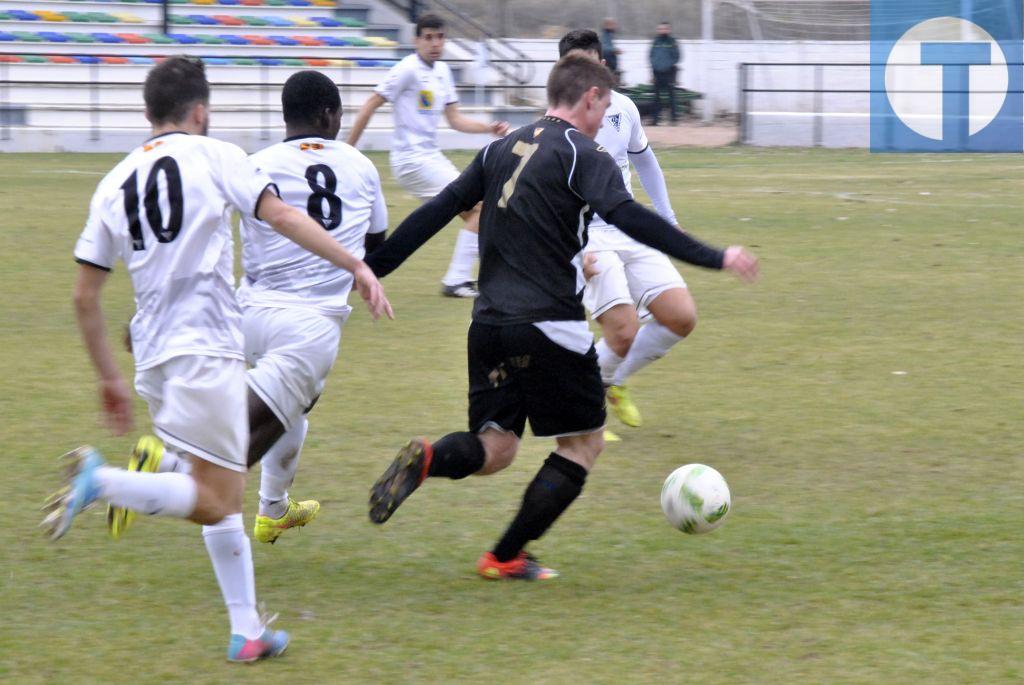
{"type": "Point", "coordinates": [611, 437]}
{"type": "Point", "coordinates": [299, 514]}
{"type": "Point", "coordinates": [622, 405]}
{"type": "Point", "coordinates": [145, 458]}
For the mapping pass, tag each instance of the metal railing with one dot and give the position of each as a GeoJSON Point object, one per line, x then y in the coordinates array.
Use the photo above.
{"type": "Point", "coordinates": [819, 91]}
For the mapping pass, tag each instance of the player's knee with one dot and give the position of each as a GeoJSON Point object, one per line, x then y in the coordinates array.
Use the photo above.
{"type": "Point", "coordinates": [500, 451]}
{"type": "Point", "coordinates": [620, 335]}
{"type": "Point", "coordinates": [682, 323]}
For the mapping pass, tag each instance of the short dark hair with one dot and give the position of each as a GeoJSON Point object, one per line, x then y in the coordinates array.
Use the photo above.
{"type": "Point", "coordinates": [580, 39]}
{"type": "Point", "coordinates": [306, 95]}
{"type": "Point", "coordinates": [574, 75]}
{"type": "Point", "coordinates": [173, 87]}
{"type": "Point", "coordinates": [428, 21]}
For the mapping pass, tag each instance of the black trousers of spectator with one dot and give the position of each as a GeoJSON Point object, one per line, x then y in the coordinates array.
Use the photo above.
{"type": "Point", "coordinates": [665, 85]}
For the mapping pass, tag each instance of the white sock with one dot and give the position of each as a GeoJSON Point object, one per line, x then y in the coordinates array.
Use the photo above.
{"type": "Point", "coordinates": [153, 494]}
{"type": "Point", "coordinates": [467, 249]}
{"type": "Point", "coordinates": [277, 470]}
{"type": "Point", "coordinates": [231, 554]}
{"type": "Point", "coordinates": [607, 360]}
{"type": "Point", "coordinates": [652, 342]}
{"type": "Point", "coordinates": [172, 462]}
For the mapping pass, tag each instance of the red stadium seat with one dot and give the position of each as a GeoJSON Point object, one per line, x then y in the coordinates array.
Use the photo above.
{"type": "Point", "coordinates": [318, 62]}
{"type": "Point", "coordinates": [110, 59]}
{"type": "Point", "coordinates": [61, 59]}
{"type": "Point", "coordinates": [133, 38]}
{"type": "Point", "coordinates": [10, 59]}
{"type": "Point", "coordinates": [308, 41]}
{"type": "Point", "coordinates": [258, 40]}
{"type": "Point", "coordinates": [228, 20]}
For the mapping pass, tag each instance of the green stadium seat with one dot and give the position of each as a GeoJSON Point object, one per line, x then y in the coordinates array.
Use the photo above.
{"type": "Point", "coordinates": [27, 37]}
{"type": "Point", "coordinates": [33, 59]}
{"type": "Point", "coordinates": [159, 38]}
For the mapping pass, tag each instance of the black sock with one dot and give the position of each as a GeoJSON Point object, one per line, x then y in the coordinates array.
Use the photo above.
{"type": "Point", "coordinates": [551, 491]}
{"type": "Point", "coordinates": [457, 455]}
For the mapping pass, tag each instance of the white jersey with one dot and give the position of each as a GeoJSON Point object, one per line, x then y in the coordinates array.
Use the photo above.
{"type": "Point", "coordinates": [418, 93]}
{"type": "Point", "coordinates": [337, 186]}
{"type": "Point", "coordinates": [165, 211]}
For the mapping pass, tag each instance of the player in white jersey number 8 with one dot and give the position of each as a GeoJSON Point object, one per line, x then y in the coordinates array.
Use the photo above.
{"type": "Point", "coordinates": [174, 236]}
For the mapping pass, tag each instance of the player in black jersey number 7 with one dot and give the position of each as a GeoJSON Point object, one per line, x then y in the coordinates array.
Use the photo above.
{"type": "Point", "coordinates": [531, 354]}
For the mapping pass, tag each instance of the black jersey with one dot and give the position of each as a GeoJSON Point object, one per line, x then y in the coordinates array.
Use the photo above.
{"type": "Point", "coordinates": [540, 185]}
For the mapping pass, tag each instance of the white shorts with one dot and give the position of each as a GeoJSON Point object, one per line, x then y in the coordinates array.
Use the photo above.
{"type": "Point", "coordinates": [634, 275]}
{"type": "Point", "coordinates": [425, 177]}
{"type": "Point", "coordinates": [198, 406]}
{"type": "Point", "coordinates": [291, 351]}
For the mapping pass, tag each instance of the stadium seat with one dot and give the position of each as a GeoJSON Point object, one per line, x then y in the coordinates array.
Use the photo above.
{"type": "Point", "coordinates": [60, 59]}
{"type": "Point", "coordinates": [77, 16]}
{"type": "Point", "coordinates": [158, 38]}
{"type": "Point", "coordinates": [269, 61]}
{"type": "Point", "coordinates": [228, 20]}
{"type": "Point", "coordinates": [178, 20]}
{"type": "Point", "coordinates": [302, 21]}
{"type": "Point", "coordinates": [129, 18]}
{"type": "Point", "coordinates": [253, 21]}
{"type": "Point", "coordinates": [27, 37]}
{"type": "Point", "coordinates": [206, 39]}
{"type": "Point", "coordinates": [251, 3]}
{"type": "Point", "coordinates": [327, 22]}
{"type": "Point", "coordinates": [258, 40]}
{"type": "Point", "coordinates": [4, 16]}
{"type": "Point", "coordinates": [203, 20]}
{"type": "Point", "coordinates": [309, 41]}
{"type": "Point", "coordinates": [299, 3]}
{"type": "Point", "coordinates": [140, 60]}
{"type": "Point", "coordinates": [22, 15]}
{"type": "Point", "coordinates": [80, 37]}
{"type": "Point", "coordinates": [108, 38]}
{"type": "Point", "coordinates": [242, 61]}
{"type": "Point", "coordinates": [87, 59]}
{"type": "Point", "coordinates": [352, 23]}
{"type": "Point", "coordinates": [113, 59]}
{"type": "Point", "coordinates": [102, 18]}
{"type": "Point", "coordinates": [7, 37]}
{"type": "Point", "coordinates": [217, 61]}
{"type": "Point", "coordinates": [279, 21]}
{"type": "Point", "coordinates": [324, 3]}
{"type": "Point", "coordinates": [47, 15]}
{"type": "Point", "coordinates": [312, 62]}
{"type": "Point", "coordinates": [231, 39]}
{"type": "Point", "coordinates": [284, 40]}
{"type": "Point", "coordinates": [183, 38]}
{"type": "Point", "coordinates": [229, 3]}
{"type": "Point", "coordinates": [33, 59]}
{"type": "Point", "coordinates": [53, 37]}
{"type": "Point", "coordinates": [359, 42]}
{"type": "Point", "coordinates": [10, 59]}
{"type": "Point", "coordinates": [133, 38]}
{"type": "Point", "coordinates": [335, 42]}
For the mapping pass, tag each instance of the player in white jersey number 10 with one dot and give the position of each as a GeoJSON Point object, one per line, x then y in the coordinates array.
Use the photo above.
{"type": "Point", "coordinates": [164, 211]}
{"type": "Point", "coordinates": [420, 89]}
{"type": "Point", "coordinates": [626, 277]}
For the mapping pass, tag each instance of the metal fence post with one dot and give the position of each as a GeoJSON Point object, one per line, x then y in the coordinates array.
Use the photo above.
{"type": "Point", "coordinates": [819, 115]}
{"type": "Point", "coordinates": [743, 102]}
{"type": "Point", "coordinates": [5, 103]}
{"type": "Point", "coordinates": [94, 110]}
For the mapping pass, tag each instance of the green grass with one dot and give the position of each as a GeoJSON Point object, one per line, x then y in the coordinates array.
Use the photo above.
{"type": "Point", "coordinates": [876, 529]}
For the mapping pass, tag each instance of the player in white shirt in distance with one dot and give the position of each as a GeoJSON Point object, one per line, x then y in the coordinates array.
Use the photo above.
{"type": "Point", "coordinates": [294, 304]}
{"type": "Point", "coordinates": [420, 89]}
{"type": "Point", "coordinates": [165, 211]}
{"type": "Point", "coordinates": [624, 276]}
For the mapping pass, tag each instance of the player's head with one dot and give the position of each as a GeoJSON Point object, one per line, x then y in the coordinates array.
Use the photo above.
{"type": "Point", "coordinates": [580, 88]}
{"type": "Point", "coordinates": [664, 28]}
{"type": "Point", "coordinates": [430, 37]}
{"type": "Point", "coordinates": [582, 40]}
{"type": "Point", "coordinates": [177, 94]}
{"type": "Point", "coordinates": [311, 104]}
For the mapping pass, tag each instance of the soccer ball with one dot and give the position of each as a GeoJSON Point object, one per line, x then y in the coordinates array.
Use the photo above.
{"type": "Point", "coordinates": [695, 498]}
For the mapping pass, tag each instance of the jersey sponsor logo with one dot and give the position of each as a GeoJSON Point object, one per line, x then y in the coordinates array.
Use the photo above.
{"type": "Point", "coordinates": [426, 99]}
{"type": "Point", "coordinates": [602, 148]}
{"type": "Point", "coordinates": [616, 121]}
{"type": "Point", "coordinates": [537, 131]}
{"type": "Point", "coordinates": [149, 147]}
{"type": "Point", "coordinates": [311, 146]}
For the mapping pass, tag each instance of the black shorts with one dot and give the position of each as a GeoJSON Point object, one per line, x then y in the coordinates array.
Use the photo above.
{"type": "Point", "coordinates": [517, 373]}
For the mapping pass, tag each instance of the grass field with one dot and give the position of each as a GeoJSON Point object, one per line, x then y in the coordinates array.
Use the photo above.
{"type": "Point", "coordinates": [864, 401]}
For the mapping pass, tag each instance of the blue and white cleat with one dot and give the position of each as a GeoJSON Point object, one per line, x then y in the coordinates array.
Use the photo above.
{"type": "Point", "coordinates": [268, 645]}
{"type": "Point", "coordinates": [79, 491]}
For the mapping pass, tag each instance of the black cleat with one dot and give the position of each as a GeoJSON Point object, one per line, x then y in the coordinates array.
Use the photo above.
{"type": "Point", "coordinates": [400, 480]}
{"type": "Point", "coordinates": [467, 290]}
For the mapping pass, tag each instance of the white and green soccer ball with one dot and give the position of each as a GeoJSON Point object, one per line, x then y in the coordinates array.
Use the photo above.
{"type": "Point", "coordinates": [695, 498]}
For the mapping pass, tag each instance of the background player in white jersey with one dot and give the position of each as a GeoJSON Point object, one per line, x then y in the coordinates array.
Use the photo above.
{"type": "Point", "coordinates": [628, 276]}
{"type": "Point", "coordinates": [165, 211]}
{"type": "Point", "coordinates": [294, 303]}
{"type": "Point", "coordinates": [420, 88]}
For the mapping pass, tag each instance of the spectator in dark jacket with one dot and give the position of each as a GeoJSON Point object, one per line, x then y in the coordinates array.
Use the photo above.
{"type": "Point", "coordinates": [665, 57]}
{"type": "Point", "coordinates": [609, 53]}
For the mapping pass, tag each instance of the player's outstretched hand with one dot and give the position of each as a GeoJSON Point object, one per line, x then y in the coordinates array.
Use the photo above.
{"type": "Point", "coordinates": [372, 293]}
{"type": "Point", "coordinates": [117, 405]}
{"type": "Point", "coordinates": [741, 263]}
{"type": "Point", "coordinates": [499, 128]}
{"type": "Point", "coordinates": [590, 265]}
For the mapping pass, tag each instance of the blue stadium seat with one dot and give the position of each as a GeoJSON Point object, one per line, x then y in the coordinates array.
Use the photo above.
{"type": "Point", "coordinates": [283, 40]}
{"type": "Point", "coordinates": [6, 37]}
{"type": "Point", "coordinates": [22, 15]}
{"type": "Point", "coordinates": [279, 21]}
{"type": "Point", "coordinates": [327, 22]}
{"type": "Point", "coordinates": [334, 41]}
{"type": "Point", "coordinates": [269, 61]}
{"type": "Point", "coordinates": [107, 38]}
{"type": "Point", "coordinates": [228, 2]}
{"type": "Point", "coordinates": [53, 36]}
{"type": "Point", "coordinates": [203, 20]}
{"type": "Point", "coordinates": [219, 61]}
{"type": "Point", "coordinates": [87, 59]}
{"type": "Point", "coordinates": [183, 38]}
{"type": "Point", "coordinates": [299, 3]}
{"type": "Point", "coordinates": [232, 39]}
{"type": "Point", "coordinates": [140, 60]}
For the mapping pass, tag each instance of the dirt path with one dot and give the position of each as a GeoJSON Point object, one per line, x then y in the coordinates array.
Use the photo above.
{"type": "Point", "coordinates": [692, 134]}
